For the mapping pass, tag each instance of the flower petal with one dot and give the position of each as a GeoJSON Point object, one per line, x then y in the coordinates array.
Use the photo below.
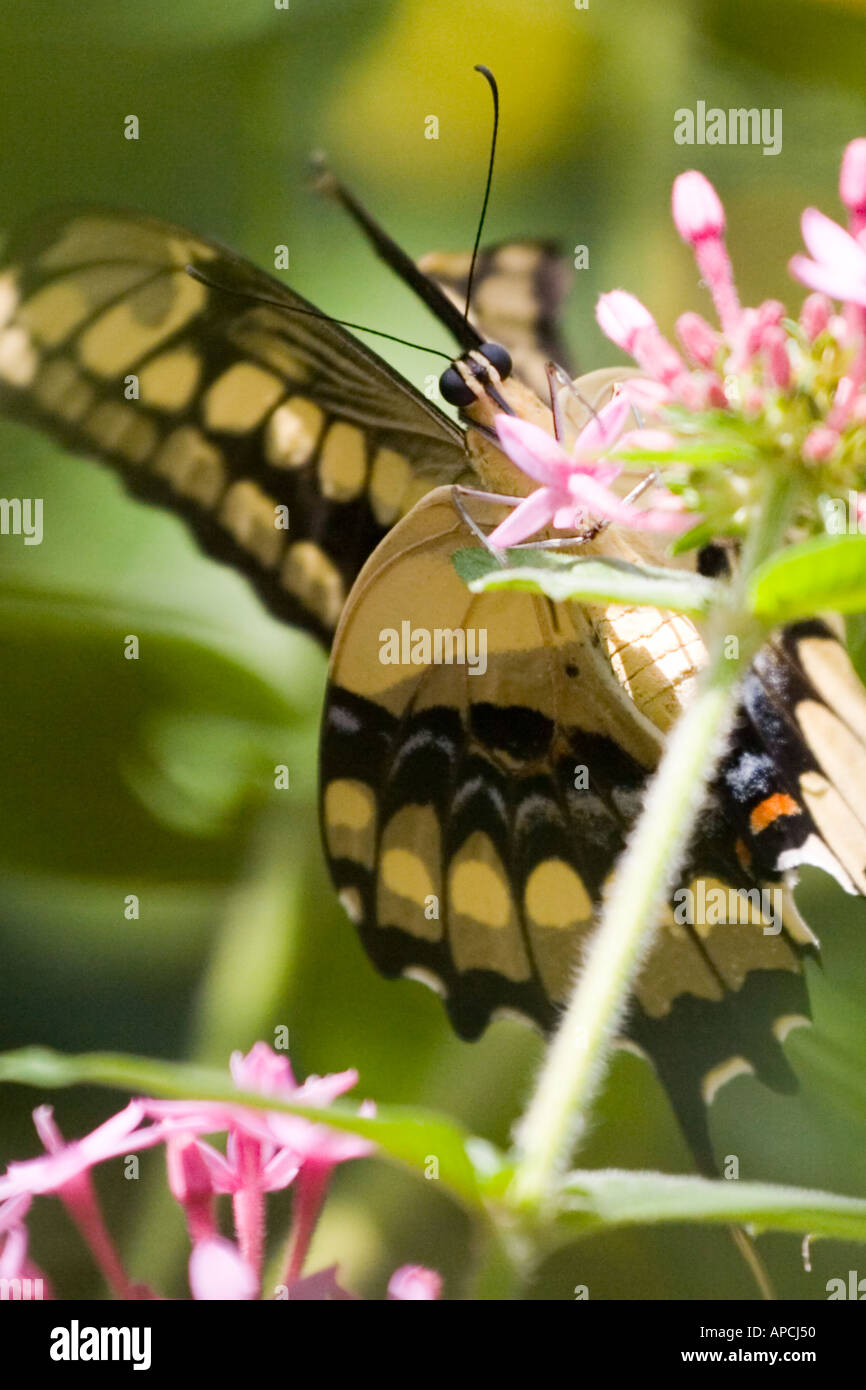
{"type": "Point", "coordinates": [535, 452]}
{"type": "Point", "coordinates": [217, 1270]}
{"type": "Point", "coordinates": [828, 279]}
{"type": "Point", "coordinates": [605, 504]}
{"type": "Point", "coordinates": [414, 1283]}
{"type": "Point", "coordinates": [604, 427]}
{"type": "Point", "coordinates": [534, 513]}
{"type": "Point", "coordinates": [829, 242]}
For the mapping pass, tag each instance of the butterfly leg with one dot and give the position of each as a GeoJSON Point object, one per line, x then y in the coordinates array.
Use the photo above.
{"type": "Point", "coordinates": [557, 376]}
{"type": "Point", "coordinates": [459, 492]}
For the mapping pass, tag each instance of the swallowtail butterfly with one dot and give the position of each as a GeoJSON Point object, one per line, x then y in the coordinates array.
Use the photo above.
{"type": "Point", "coordinates": [461, 843]}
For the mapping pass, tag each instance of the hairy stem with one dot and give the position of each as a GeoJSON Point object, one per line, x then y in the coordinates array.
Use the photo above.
{"type": "Point", "coordinates": [576, 1060]}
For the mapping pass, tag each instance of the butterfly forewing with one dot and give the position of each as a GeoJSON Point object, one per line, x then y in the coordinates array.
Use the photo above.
{"type": "Point", "coordinates": [287, 446]}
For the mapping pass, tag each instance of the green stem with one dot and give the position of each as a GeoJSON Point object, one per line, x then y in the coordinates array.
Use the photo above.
{"type": "Point", "coordinates": [577, 1057]}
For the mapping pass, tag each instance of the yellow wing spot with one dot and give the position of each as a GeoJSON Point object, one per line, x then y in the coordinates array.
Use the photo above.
{"type": "Point", "coordinates": [312, 578]}
{"type": "Point", "coordinates": [292, 433]}
{"type": "Point", "coordinates": [517, 260]}
{"type": "Point", "coordinates": [53, 313]}
{"type": "Point", "coordinates": [240, 399]}
{"type": "Point", "coordinates": [19, 360]}
{"type": "Point", "coordinates": [408, 887]}
{"type": "Point", "coordinates": [55, 381]}
{"type": "Point", "coordinates": [120, 429]}
{"type": "Point", "coordinates": [558, 910]}
{"type": "Point", "coordinates": [9, 296]}
{"type": "Point", "coordinates": [483, 926]}
{"type": "Point", "coordinates": [350, 821]}
{"type": "Point", "coordinates": [405, 874]}
{"type": "Point", "coordinates": [90, 238]}
{"type": "Point", "coordinates": [193, 465]}
{"type": "Point", "coordinates": [249, 515]}
{"type": "Point", "coordinates": [349, 803]}
{"type": "Point", "coordinates": [713, 904]}
{"type": "Point", "coordinates": [836, 823]}
{"type": "Point", "coordinates": [829, 669]}
{"type": "Point", "coordinates": [343, 463]}
{"type": "Point", "coordinates": [507, 297]}
{"type": "Point", "coordinates": [555, 896]}
{"type": "Point", "coordinates": [418, 487]}
{"type": "Point", "coordinates": [840, 754]}
{"type": "Point", "coordinates": [126, 332]}
{"type": "Point", "coordinates": [478, 890]}
{"type": "Point", "coordinates": [389, 479]}
{"type": "Point", "coordinates": [167, 382]}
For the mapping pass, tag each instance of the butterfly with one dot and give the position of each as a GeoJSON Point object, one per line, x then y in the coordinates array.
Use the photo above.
{"type": "Point", "coordinates": [472, 812]}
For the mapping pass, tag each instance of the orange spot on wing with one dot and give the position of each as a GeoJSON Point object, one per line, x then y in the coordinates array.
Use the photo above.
{"type": "Point", "coordinates": [743, 854]}
{"type": "Point", "coordinates": [769, 810]}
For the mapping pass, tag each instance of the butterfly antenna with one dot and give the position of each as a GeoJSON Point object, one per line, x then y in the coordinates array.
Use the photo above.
{"type": "Point", "coordinates": [486, 73]}
{"type": "Point", "coordinates": [255, 297]}
{"type": "Point", "coordinates": [448, 314]}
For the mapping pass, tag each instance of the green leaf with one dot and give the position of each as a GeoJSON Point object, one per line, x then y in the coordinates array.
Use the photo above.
{"type": "Point", "coordinates": [588, 1200]}
{"type": "Point", "coordinates": [825, 572]}
{"type": "Point", "coordinates": [405, 1133]}
{"type": "Point", "coordinates": [695, 537]}
{"type": "Point", "coordinates": [705, 453]}
{"type": "Point", "coordinates": [589, 580]}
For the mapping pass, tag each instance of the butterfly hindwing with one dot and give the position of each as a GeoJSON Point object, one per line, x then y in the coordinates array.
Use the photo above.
{"type": "Point", "coordinates": [473, 817]}
{"type": "Point", "coordinates": [287, 446]}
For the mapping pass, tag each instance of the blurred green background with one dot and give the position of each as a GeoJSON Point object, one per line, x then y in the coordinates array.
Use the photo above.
{"type": "Point", "coordinates": [156, 777]}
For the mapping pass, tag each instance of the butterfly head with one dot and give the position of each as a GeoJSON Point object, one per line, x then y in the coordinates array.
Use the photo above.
{"type": "Point", "coordinates": [476, 374]}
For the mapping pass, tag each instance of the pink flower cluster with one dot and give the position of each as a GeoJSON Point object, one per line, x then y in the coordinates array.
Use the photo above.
{"type": "Point", "coordinates": [753, 365]}
{"type": "Point", "coordinates": [266, 1151]}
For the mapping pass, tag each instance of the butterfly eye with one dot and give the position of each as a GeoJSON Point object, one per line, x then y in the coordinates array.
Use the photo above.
{"type": "Point", "coordinates": [456, 391]}
{"type": "Point", "coordinates": [498, 357]}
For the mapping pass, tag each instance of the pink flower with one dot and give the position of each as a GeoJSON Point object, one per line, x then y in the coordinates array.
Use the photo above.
{"type": "Point", "coordinates": [700, 219]}
{"type": "Point", "coordinates": [838, 267]}
{"type": "Point", "coordinates": [697, 208]}
{"type": "Point", "coordinates": [15, 1262]}
{"type": "Point", "coordinates": [699, 338]}
{"type": "Point", "coordinates": [819, 444]}
{"type": "Point", "coordinates": [621, 317]}
{"type": "Point", "coordinates": [573, 484]}
{"type": "Point", "coordinates": [414, 1283]}
{"type": "Point", "coordinates": [852, 183]}
{"type": "Point", "coordinates": [217, 1270]}
{"type": "Point", "coordinates": [778, 361]}
{"type": "Point", "coordinates": [632, 327]}
{"type": "Point", "coordinates": [814, 316]}
{"type": "Point", "coordinates": [265, 1151]}
{"type": "Point", "coordinates": [65, 1163]}
{"type": "Point", "coordinates": [65, 1171]}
